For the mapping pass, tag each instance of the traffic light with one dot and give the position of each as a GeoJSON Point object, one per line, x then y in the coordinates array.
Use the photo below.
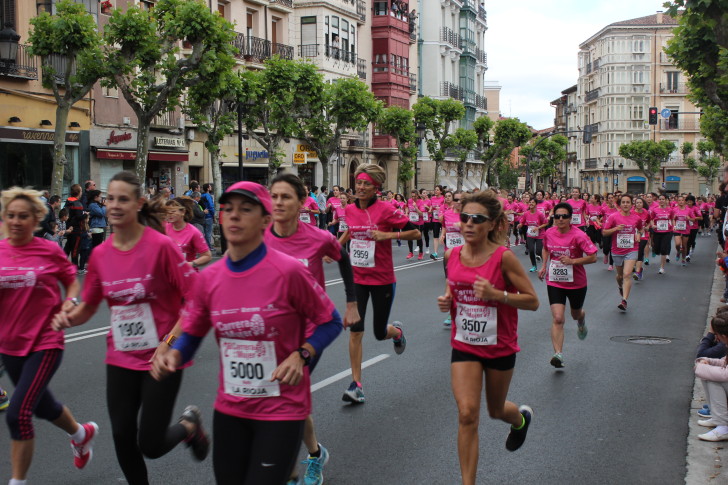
{"type": "Point", "coordinates": [587, 135]}
{"type": "Point", "coordinates": [653, 115]}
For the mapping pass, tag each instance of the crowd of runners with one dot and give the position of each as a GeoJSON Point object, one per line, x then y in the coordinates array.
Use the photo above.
{"type": "Point", "coordinates": [272, 335]}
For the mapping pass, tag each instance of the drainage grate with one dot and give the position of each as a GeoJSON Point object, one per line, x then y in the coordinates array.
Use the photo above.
{"type": "Point", "coordinates": [642, 340]}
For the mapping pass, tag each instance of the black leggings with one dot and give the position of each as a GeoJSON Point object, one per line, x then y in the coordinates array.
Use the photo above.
{"type": "Point", "coordinates": [382, 298]}
{"type": "Point", "coordinates": [436, 228]}
{"type": "Point", "coordinates": [426, 228]}
{"type": "Point", "coordinates": [136, 434]}
{"type": "Point", "coordinates": [641, 250]}
{"type": "Point", "coordinates": [594, 234]}
{"type": "Point", "coordinates": [31, 375]}
{"type": "Point", "coordinates": [607, 247]}
{"type": "Point", "coordinates": [534, 246]}
{"type": "Point", "coordinates": [252, 452]}
{"type": "Point", "coordinates": [691, 239]}
{"type": "Point", "coordinates": [411, 246]}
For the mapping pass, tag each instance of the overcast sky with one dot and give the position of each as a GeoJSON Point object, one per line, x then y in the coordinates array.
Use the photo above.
{"type": "Point", "coordinates": [532, 48]}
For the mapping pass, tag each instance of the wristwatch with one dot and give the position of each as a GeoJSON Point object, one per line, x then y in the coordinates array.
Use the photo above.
{"type": "Point", "coordinates": [74, 301]}
{"type": "Point", "coordinates": [305, 355]}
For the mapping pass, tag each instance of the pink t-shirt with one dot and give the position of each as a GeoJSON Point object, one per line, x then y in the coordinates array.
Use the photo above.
{"type": "Point", "coordinates": [151, 275]}
{"type": "Point", "coordinates": [340, 217]}
{"type": "Point", "coordinates": [280, 297]}
{"type": "Point", "coordinates": [645, 216]}
{"type": "Point", "coordinates": [190, 240]}
{"type": "Point", "coordinates": [460, 279]}
{"type": "Point", "coordinates": [578, 215]}
{"type": "Point", "coordinates": [450, 222]}
{"type": "Point", "coordinates": [544, 207]}
{"type": "Point", "coordinates": [593, 213]}
{"type": "Point", "coordinates": [625, 240]}
{"type": "Point", "coordinates": [437, 204]}
{"type": "Point", "coordinates": [30, 295]}
{"type": "Point", "coordinates": [378, 216]}
{"type": "Point", "coordinates": [334, 202]}
{"type": "Point", "coordinates": [697, 214]}
{"type": "Point", "coordinates": [412, 214]}
{"type": "Point", "coordinates": [574, 244]}
{"type": "Point", "coordinates": [659, 214]}
{"type": "Point", "coordinates": [654, 205]}
{"type": "Point", "coordinates": [306, 215]}
{"type": "Point", "coordinates": [681, 219]}
{"type": "Point", "coordinates": [533, 220]}
{"type": "Point", "coordinates": [425, 206]}
{"type": "Point", "coordinates": [608, 211]}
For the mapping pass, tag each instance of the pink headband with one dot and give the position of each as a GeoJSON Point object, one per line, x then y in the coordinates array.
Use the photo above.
{"type": "Point", "coordinates": [368, 178]}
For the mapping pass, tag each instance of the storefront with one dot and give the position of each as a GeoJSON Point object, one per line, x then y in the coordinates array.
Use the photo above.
{"type": "Point", "coordinates": [672, 184]}
{"type": "Point", "coordinates": [26, 158]}
{"type": "Point", "coordinates": [115, 150]}
{"type": "Point", "coordinates": [636, 185]}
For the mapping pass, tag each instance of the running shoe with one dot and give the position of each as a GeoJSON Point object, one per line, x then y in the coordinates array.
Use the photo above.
{"type": "Point", "coordinates": [635, 276]}
{"type": "Point", "coordinates": [606, 259]}
{"type": "Point", "coordinates": [704, 412]}
{"type": "Point", "coordinates": [623, 305]}
{"type": "Point", "coordinates": [684, 263]}
{"type": "Point", "coordinates": [532, 270]}
{"type": "Point", "coordinates": [447, 323]}
{"type": "Point", "coordinates": [526, 252]}
{"type": "Point", "coordinates": [687, 258]}
{"type": "Point", "coordinates": [427, 251]}
{"type": "Point", "coordinates": [4, 400]}
{"type": "Point", "coordinates": [420, 256]}
{"type": "Point", "coordinates": [668, 259]}
{"type": "Point", "coordinates": [83, 451]}
{"type": "Point", "coordinates": [558, 360]}
{"type": "Point", "coordinates": [647, 261]}
{"type": "Point", "coordinates": [314, 467]}
{"type": "Point", "coordinates": [433, 256]}
{"type": "Point", "coordinates": [639, 275]}
{"type": "Point", "coordinates": [355, 394]}
{"type": "Point", "coordinates": [401, 343]}
{"type": "Point", "coordinates": [581, 329]}
{"type": "Point", "coordinates": [517, 436]}
{"type": "Point", "coordinates": [199, 442]}
{"type": "Point", "coordinates": [538, 258]}
{"type": "Point", "coordinates": [661, 271]}
{"type": "Point", "coordinates": [610, 268]}
{"type": "Point", "coordinates": [410, 256]}
{"type": "Point", "coordinates": [621, 291]}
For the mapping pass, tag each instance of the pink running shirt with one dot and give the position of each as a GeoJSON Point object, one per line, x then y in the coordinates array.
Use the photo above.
{"type": "Point", "coordinates": [533, 220]}
{"type": "Point", "coordinates": [681, 220]}
{"type": "Point", "coordinates": [662, 219]}
{"type": "Point", "coordinates": [574, 244]}
{"type": "Point", "coordinates": [412, 214]}
{"type": "Point", "coordinates": [632, 225]}
{"type": "Point", "coordinates": [578, 214]}
{"type": "Point", "coordinates": [30, 295]}
{"type": "Point", "coordinates": [152, 273]}
{"type": "Point", "coordinates": [189, 240]}
{"type": "Point", "coordinates": [305, 215]}
{"type": "Point", "coordinates": [269, 316]}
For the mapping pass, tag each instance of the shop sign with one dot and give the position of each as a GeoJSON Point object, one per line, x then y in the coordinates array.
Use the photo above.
{"type": "Point", "coordinates": [308, 149]}
{"type": "Point", "coordinates": [256, 154]}
{"type": "Point", "coordinates": [115, 139]}
{"type": "Point", "coordinates": [40, 136]}
{"type": "Point", "coordinates": [161, 141]}
{"type": "Point", "coordinates": [300, 157]}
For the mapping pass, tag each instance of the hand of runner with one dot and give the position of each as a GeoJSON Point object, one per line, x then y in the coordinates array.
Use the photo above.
{"type": "Point", "coordinates": [484, 290]}
{"type": "Point", "coordinates": [61, 321]}
{"type": "Point", "coordinates": [351, 315]}
{"type": "Point", "coordinates": [444, 302]}
{"type": "Point", "coordinates": [380, 236]}
{"type": "Point", "coordinates": [290, 371]}
{"type": "Point", "coordinates": [327, 260]}
{"type": "Point", "coordinates": [164, 364]}
{"type": "Point", "coordinates": [542, 272]}
{"type": "Point", "coordinates": [566, 260]}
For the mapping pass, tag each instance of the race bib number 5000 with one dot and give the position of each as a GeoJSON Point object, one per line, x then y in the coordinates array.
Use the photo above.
{"type": "Point", "coordinates": [133, 328]}
{"type": "Point", "coordinates": [247, 367]}
{"type": "Point", "coordinates": [362, 253]}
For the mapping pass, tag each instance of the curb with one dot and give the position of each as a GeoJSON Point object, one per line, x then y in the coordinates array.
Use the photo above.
{"type": "Point", "coordinates": [707, 462]}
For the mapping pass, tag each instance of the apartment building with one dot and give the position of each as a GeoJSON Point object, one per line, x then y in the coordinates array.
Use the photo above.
{"type": "Point", "coordinates": [565, 123]}
{"type": "Point", "coordinates": [623, 70]}
{"type": "Point", "coordinates": [28, 110]}
{"type": "Point", "coordinates": [453, 62]}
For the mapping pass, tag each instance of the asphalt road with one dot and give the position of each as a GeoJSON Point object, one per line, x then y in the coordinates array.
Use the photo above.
{"type": "Point", "coordinates": [617, 413]}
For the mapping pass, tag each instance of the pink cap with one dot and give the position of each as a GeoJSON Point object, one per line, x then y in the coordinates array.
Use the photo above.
{"type": "Point", "coordinates": [255, 192]}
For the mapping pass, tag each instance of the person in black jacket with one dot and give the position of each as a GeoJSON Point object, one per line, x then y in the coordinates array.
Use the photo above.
{"type": "Point", "coordinates": [73, 226]}
{"type": "Point", "coordinates": [53, 204]}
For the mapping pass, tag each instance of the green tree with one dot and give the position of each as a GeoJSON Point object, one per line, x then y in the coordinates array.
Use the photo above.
{"type": "Point", "coordinates": [68, 40]}
{"type": "Point", "coordinates": [463, 141]}
{"type": "Point", "coordinates": [437, 116]}
{"type": "Point", "coordinates": [648, 155]}
{"type": "Point", "coordinates": [343, 105]}
{"type": "Point", "coordinates": [708, 164]}
{"type": "Point", "coordinates": [144, 58]}
{"type": "Point", "coordinates": [700, 49]}
{"type": "Point", "coordinates": [398, 123]}
{"type": "Point", "coordinates": [546, 155]}
{"type": "Point", "coordinates": [508, 134]}
{"type": "Point", "coordinates": [212, 107]}
{"type": "Point", "coordinates": [278, 97]}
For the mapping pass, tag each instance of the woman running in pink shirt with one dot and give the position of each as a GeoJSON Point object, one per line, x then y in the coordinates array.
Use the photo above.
{"type": "Point", "coordinates": [624, 228]}
{"type": "Point", "coordinates": [415, 212]}
{"type": "Point", "coordinates": [31, 269]}
{"type": "Point", "coordinates": [187, 237]}
{"type": "Point", "coordinates": [662, 219]}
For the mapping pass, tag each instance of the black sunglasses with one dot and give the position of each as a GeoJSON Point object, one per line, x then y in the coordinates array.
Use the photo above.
{"type": "Point", "coordinates": [562, 216]}
{"type": "Point", "coordinates": [476, 218]}
{"type": "Point", "coordinates": [456, 200]}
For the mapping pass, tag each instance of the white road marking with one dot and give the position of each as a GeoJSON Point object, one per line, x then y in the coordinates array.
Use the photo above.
{"type": "Point", "coordinates": [73, 337]}
{"type": "Point", "coordinates": [344, 374]}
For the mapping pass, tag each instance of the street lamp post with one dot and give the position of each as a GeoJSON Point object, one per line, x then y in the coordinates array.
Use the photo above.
{"type": "Point", "coordinates": [615, 173]}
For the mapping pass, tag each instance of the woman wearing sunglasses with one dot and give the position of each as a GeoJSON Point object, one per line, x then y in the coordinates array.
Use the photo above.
{"type": "Point", "coordinates": [486, 285]}
{"type": "Point", "coordinates": [625, 228]}
{"type": "Point", "coordinates": [566, 250]}
{"type": "Point", "coordinates": [535, 223]}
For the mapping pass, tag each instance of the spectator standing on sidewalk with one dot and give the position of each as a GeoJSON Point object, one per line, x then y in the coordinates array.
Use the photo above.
{"type": "Point", "coordinates": [198, 215]}
{"type": "Point", "coordinates": [208, 206]}
{"type": "Point", "coordinates": [53, 204]}
{"type": "Point", "coordinates": [321, 201]}
{"type": "Point", "coordinates": [87, 187]}
{"type": "Point", "coordinates": [194, 187]}
{"type": "Point", "coordinates": [97, 224]}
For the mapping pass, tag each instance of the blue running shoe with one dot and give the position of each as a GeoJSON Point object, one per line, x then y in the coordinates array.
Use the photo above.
{"type": "Point", "coordinates": [314, 469]}
{"type": "Point", "coordinates": [355, 394]}
{"type": "Point", "coordinates": [705, 412]}
{"type": "Point", "coordinates": [447, 323]}
{"type": "Point", "coordinates": [532, 270]}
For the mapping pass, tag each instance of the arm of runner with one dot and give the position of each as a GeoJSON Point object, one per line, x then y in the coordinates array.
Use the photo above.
{"type": "Point", "coordinates": [525, 298]}
{"type": "Point", "coordinates": [72, 291]}
{"type": "Point", "coordinates": [351, 315]}
{"type": "Point", "coordinates": [408, 233]}
{"type": "Point", "coordinates": [545, 257]}
{"type": "Point", "coordinates": [77, 316]}
{"type": "Point", "coordinates": [344, 238]}
{"type": "Point", "coordinates": [588, 259]}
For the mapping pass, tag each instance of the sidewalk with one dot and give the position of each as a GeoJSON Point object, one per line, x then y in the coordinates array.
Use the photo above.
{"type": "Point", "coordinates": [707, 462]}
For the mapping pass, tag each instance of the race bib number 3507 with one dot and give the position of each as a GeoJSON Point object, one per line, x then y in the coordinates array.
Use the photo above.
{"type": "Point", "coordinates": [476, 325]}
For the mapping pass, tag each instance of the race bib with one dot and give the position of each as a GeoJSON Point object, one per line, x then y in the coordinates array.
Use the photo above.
{"type": "Point", "coordinates": [343, 226]}
{"type": "Point", "coordinates": [305, 217]}
{"type": "Point", "coordinates": [436, 214]}
{"type": "Point", "coordinates": [426, 216]}
{"type": "Point", "coordinates": [511, 217]}
{"type": "Point", "coordinates": [576, 219]}
{"type": "Point", "coordinates": [414, 217]}
{"type": "Point", "coordinates": [476, 325]}
{"type": "Point", "coordinates": [625, 241]}
{"type": "Point", "coordinates": [133, 328]}
{"type": "Point", "coordinates": [454, 239]}
{"type": "Point", "coordinates": [680, 225]}
{"type": "Point", "coordinates": [532, 231]}
{"type": "Point", "coordinates": [247, 367]}
{"type": "Point", "coordinates": [304, 262]}
{"type": "Point", "coordinates": [362, 253]}
{"type": "Point", "coordinates": [561, 272]}
{"type": "Point", "coordinates": [662, 225]}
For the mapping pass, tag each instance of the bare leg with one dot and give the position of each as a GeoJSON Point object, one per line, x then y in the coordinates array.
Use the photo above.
{"type": "Point", "coordinates": [67, 422]}
{"type": "Point", "coordinates": [627, 278]}
{"type": "Point", "coordinates": [467, 385]}
{"type": "Point", "coordinates": [309, 436]}
{"type": "Point", "coordinates": [355, 353]}
{"type": "Point", "coordinates": [557, 327]}
{"type": "Point", "coordinates": [21, 455]}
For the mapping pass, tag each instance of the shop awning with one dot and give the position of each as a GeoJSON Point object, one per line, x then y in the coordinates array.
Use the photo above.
{"type": "Point", "coordinates": [153, 155]}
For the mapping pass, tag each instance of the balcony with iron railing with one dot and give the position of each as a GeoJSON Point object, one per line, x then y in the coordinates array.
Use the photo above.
{"type": "Point", "coordinates": [673, 88]}
{"type": "Point", "coordinates": [255, 49]}
{"type": "Point", "coordinates": [361, 10]}
{"type": "Point", "coordinates": [413, 82]}
{"type": "Point", "coordinates": [361, 68]}
{"type": "Point", "coordinates": [674, 124]}
{"type": "Point", "coordinates": [166, 119]}
{"type": "Point", "coordinates": [25, 66]}
{"type": "Point", "coordinates": [590, 163]}
{"type": "Point", "coordinates": [591, 95]}
{"type": "Point", "coordinates": [448, 36]}
{"type": "Point", "coordinates": [60, 64]}
{"type": "Point", "coordinates": [340, 54]}
{"type": "Point", "coordinates": [480, 56]}
{"type": "Point", "coordinates": [592, 128]}
{"type": "Point", "coordinates": [308, 50]}
{"type": "Point", "coordinates": [450, 90]}
{"type": "Point", "coordinates": [481, 102]}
